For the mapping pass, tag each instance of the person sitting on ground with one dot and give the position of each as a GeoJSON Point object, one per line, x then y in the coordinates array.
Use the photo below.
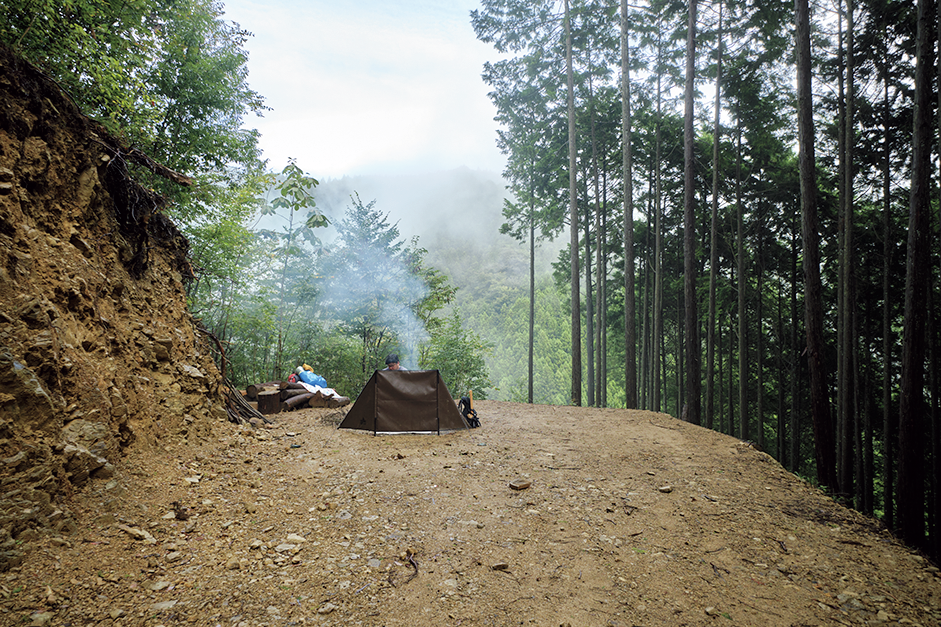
{"type": "Point", "coordinates": [392, 363]}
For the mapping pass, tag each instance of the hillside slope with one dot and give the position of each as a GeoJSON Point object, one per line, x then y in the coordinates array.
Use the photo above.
{"type": "Point", "coordinates": [97, 350]}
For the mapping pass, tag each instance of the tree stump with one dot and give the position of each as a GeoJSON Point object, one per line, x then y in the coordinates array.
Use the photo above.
{"type": "Point", "coordinates": [269, 401]}
{"type": "Point", "coordinates": [252, 391]}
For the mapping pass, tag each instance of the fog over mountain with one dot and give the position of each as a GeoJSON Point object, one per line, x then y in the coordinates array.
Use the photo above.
{"type": "Point", "coordinates": [445, 202]}
{"type": "Point", "coordinates": [456, 214]}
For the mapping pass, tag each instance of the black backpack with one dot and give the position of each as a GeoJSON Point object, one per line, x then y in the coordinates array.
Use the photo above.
{"type": "Point", "coordinates": [470, 415]}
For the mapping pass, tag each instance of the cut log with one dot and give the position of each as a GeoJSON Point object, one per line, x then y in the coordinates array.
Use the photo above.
{"type": "Point", "coordinates": [251, 392]}
{"type": "Point", "coordinates": [337, 401]}
{"type": "Point", "coordinates": [295, 386]}
{"type": "Point", "coordinates": [288, 393]}
{"type": "Point", "coordinates": [296, 401]}
{"type": "Point", "coordinates": [269, 402]}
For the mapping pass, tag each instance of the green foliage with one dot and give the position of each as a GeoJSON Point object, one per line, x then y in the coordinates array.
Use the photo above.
{"type": "Point", "coordinates": [169, 76]}
{"type": "Point", "coordinates": [98, 50]}
{"type": "Point", "coordinates": [459, 354]}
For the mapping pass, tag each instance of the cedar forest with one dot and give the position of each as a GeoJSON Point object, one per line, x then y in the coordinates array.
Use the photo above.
{"type": "Point", "coordinates": [772, 168]}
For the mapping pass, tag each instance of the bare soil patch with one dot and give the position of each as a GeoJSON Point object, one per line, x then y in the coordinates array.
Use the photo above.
{"type": "Point", "coordinates": [631, 518]}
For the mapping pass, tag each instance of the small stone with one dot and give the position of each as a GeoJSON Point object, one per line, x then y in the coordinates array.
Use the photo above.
{"type": "Point", "coordinates": [40, 619]}
{"type": "Point", "coordinates": [157, 586]}
{"type": "Point", "coordinates": [520, 484]}
{"type": "Point", "coordinates": [500, 566]}
{"type": "Point", "coordinates": [711, 611]}
{"type": "Point", "coordinates": [295, 539]}
{"type": "Point", "coordinates": [174, 556]}
{"type": "Point", "coordinates": [327, 608]}
{"type": "Point", "coordinates": [665, 489]}
{"type": "Point", "coordinates": [137, 534]}
{"type": "Point", "coordinates": [116, 613]}
{"type": "Point", "coordinates": [232, 564]}
{"type": "Point", "coordinates": [164, 605]}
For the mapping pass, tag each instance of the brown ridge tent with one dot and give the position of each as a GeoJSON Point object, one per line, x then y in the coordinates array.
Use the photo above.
{"type": "Point", "coordinates": [405, 401]}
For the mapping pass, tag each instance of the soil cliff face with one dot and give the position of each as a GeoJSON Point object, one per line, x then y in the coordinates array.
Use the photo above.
{"type": "Point", "coordinates": [98, 352]}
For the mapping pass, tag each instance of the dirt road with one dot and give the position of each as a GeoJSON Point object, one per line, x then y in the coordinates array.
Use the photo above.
{"type": "Point", "coordinates": [629, 518]}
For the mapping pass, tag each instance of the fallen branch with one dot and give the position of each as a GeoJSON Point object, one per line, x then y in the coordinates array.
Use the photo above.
{"type": "Point", "coordinates": [716, 570]}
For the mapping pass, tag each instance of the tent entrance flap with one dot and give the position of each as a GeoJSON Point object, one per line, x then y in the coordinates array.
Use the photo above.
{"type": "Point", "coordinates": [412, 401]}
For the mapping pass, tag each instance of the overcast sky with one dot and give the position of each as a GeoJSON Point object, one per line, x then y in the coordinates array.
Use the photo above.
{"type": "Point", "coordinates": [369, 87]}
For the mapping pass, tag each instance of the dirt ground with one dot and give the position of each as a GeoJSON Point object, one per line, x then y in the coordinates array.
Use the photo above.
{"type": "Point", "coordinates": [631, 518]}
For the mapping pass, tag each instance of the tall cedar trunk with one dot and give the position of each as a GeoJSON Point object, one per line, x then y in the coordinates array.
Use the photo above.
{"type": "Point", "coordinates": [740, 253]}
{"type": "Point", "coordinates": [599, 305]}
{"type": "Point", "coordinates": [589, 309]}
{"type": "Point", "coordinates": [869, 441]}
{"type": "Point", "coordinates": [813, 303]}
{"type": "Point", "coordinates": [730, 422]}
{"type": "Point", "coordinates": [911, 477]}
{"type": "Point", "coordinates": [599, 272]}
{"type": "Point", "coordinates": [796, 360]}
{"type": "Point", "coordinates": [680, 355]}
{"type": "Point", "coordinates": [594, 312]}
{"type": "Point", "coordinates": [573, 222]}
{"type": "Point", "coordinates": [647, 313]}
{"type": "Point", "coordinates": [663, 369]}
{"type": "Point", "coordinates": [759, 349]}
{"type": "Point", "coordinates": [721, 386]}
{"type": "Point", "coordinates": [860, 429]}
{"type": "Point", "coordinates": [935, 356]}
{"type": "Point", "coordinates": [713, 238]}
{"type": "Point", "coordinates": [691, 410]}
{"type": "Point", "coordinates": [934, 515]}
{"type": "Point", "coordinates": [532, 294]}
{"type": "Point", "coordinates": [781, 425]}
{"type": "Point", "coordinates": [888, 424]}
{"type": "Point", "coordinates": [601, 299]}
{"type": "Point", "coordinates": [658, 245]}
{"type": "Point", "coordinates": [604, 335]}
{"type": "Point", "coordinates": [630, 313]}
{"type": "Point", "coordinates": [848, 412]}
{"type": "Point", "coordinates": [841, 439]}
